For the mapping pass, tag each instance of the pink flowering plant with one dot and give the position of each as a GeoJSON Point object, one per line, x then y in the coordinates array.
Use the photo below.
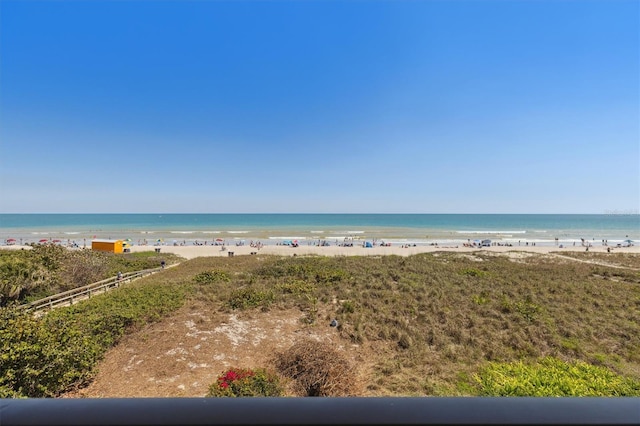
{"type": "Point", "coordinates": [239, 382]}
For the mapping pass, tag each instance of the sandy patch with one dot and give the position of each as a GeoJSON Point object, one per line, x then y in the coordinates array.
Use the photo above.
{"type": "Point", "coordinates": [184, 354]}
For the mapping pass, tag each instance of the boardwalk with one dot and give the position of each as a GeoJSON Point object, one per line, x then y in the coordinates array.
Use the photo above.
{"type": "Point", "coordinates": [75, 295]}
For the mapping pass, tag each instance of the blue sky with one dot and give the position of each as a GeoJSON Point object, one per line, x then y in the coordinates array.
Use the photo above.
{"type": "Point", "coordinates": [320, 106]}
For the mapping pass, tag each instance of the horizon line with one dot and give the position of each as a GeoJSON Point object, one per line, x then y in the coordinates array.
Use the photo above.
{"type": "Point", "coordinates": [621, 212]}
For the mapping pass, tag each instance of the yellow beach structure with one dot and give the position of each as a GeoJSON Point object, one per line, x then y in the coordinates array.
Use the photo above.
{"type": "Point", "coordinates": [113, 246]}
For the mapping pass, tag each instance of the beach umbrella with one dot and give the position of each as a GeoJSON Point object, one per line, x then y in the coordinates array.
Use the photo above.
{"type": "Point", "coordinates": [11, 240]}
{"type": "Point", "coordinates": [44, 240]}
{"type": "Point", "coordinates": [219, 240]}
{"type": "Point", "coordinates": [57, 241]}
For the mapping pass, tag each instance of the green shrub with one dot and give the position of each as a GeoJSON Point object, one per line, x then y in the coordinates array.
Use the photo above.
{"type": "Point", "coordinates": [470, 272]}
{"type": "Point", "coordinates": [47, 269]}
{"type": "Point", "coordinates": [21, 275]}
{"type": "Point", "coordinates": [248, 298]}
{"type": "Point", "coordinates": [296, 287]}
{"type": "Point", "coordinates": [45, 356]}
{"type": "Point", "coordinates": [320, 270]}
{"type": "Point", "coordinates": [6, 392]}
{"type": "Point", "coordinates": [42, 358]}
{"type": "Point", "coordinates": [553, 377]}
{"type": "Point", "coordinates": [480, 299]}
{"type": "Point", "coordinates": [210, 277]}
{"type": "Point", "coordinates": [108, 316]}
{"type": "Point", "coordinates": [527, 309]}
{"type": "Point", "coordinates": [239, 382]}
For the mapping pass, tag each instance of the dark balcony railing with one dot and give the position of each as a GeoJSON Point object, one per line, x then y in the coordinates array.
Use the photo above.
{"type": "Point", "coordinates": [320, 411]}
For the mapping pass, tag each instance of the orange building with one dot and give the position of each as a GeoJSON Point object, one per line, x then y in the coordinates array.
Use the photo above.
{"type": "Point", "coordinates": [113, 246]}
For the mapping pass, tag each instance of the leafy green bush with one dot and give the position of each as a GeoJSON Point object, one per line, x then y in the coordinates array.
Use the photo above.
{"type": "Point", "coordinates": [473, 272]}
{"type": "Point", "coordinates": [238, 382]}
{"type": "Point", "coordinates": [45, 356]}
{"type": "Point", "coordinates": [249, 297]}
{"type": "Point", "coordinates": [210, 277]}
{"type": "Point", "coordinates": [107, 317]}
{"type": "Point", "coordinates": [527, 309]}
{"type": "Point", "coordinates": [553, 377]}
{"type": "Point", "coordinates": [6, 392]}
{"type": "Point", "coordinates": [47, 269]}
{"type": "Point", "coordinates": [320, 270]}
{"type": "Point", "coordinates": [41, 358]}
{"type": "Point", "coordinates": [296, 287]}
{"type": "Point", "coordinates": [21, 275]}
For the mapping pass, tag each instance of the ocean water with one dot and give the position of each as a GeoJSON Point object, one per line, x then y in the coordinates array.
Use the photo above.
{"type": "Point", "coordinates": [273, 228]}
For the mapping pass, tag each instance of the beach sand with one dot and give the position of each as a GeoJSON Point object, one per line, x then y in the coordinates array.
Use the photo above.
{"type": "Point", "coordinates": [193, 251]}
{"type": "Point", "coordinates": [190, 252]}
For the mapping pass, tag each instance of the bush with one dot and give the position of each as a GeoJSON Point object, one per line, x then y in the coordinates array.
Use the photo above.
{"type": "Point", "coordinates": [21, 275]}
{"type": "Point", "coordinates": [320, 270]}
{"type": "Point", "coordinates": [248, 298]}
{"type": "Point", "coordinates": [471, 272]}
{"type": "Point", "coordinates": [46, 356]}
{"type": "Point", "coordinates": [553, 377]}
{"type": "Point", "coordinates": [82, 267]}
{"type": "Point", "coordinates": [210, 277]}
{"type": "Point", "coordinates": [317, 370]}
{"type": "Point", "coordinates": [108, 316]}
{"type": "Point", "coordinates": [42, 358]}
{"type": "Point", "coordinates": [296, 287]}
{"type": "Point", "coordinates": [239, 382]}
{"type": "Point", "coordinates": [47, 269]}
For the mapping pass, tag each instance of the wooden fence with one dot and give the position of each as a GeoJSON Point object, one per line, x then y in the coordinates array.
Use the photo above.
{"type": "Point", "coordinates": [70, 297]}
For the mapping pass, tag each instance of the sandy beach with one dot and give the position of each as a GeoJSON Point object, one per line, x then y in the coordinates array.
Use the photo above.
{"type": "Point", "coordinates": [190, 252]}
{"type": "Point", "coordinates": [193, 251]}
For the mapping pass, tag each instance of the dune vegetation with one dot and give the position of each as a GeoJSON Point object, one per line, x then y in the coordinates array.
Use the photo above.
{"type": "Point", "coordinates": [443, 324]}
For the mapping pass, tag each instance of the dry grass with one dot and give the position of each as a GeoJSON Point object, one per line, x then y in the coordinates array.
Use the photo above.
{"type": "Point", "coordinates": [625, 260]}
{"type": "Point", "coordinates": [424, 324]}
{"type": "Point", "coordinates": [317, 369]}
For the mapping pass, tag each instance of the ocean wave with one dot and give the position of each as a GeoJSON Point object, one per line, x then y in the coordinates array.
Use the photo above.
{"type": "Point", "coordinates": [238, 232]}
{"type": "Point", "coordinates": [491, 232]}
{"type": "Point", "coordinates": [287, 238]}
{"type": "Point", "coordinates": [317, 232]}
{"type": "Point", "coordinates": [182, 232]}
{"type": "Point", "coordinates": [71, 233]}
{"type": "Point", "coordinates": [210, 232]}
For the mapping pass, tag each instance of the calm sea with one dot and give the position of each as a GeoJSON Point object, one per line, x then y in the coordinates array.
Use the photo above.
{"type": "Point", "coordinates": [271, 228]}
